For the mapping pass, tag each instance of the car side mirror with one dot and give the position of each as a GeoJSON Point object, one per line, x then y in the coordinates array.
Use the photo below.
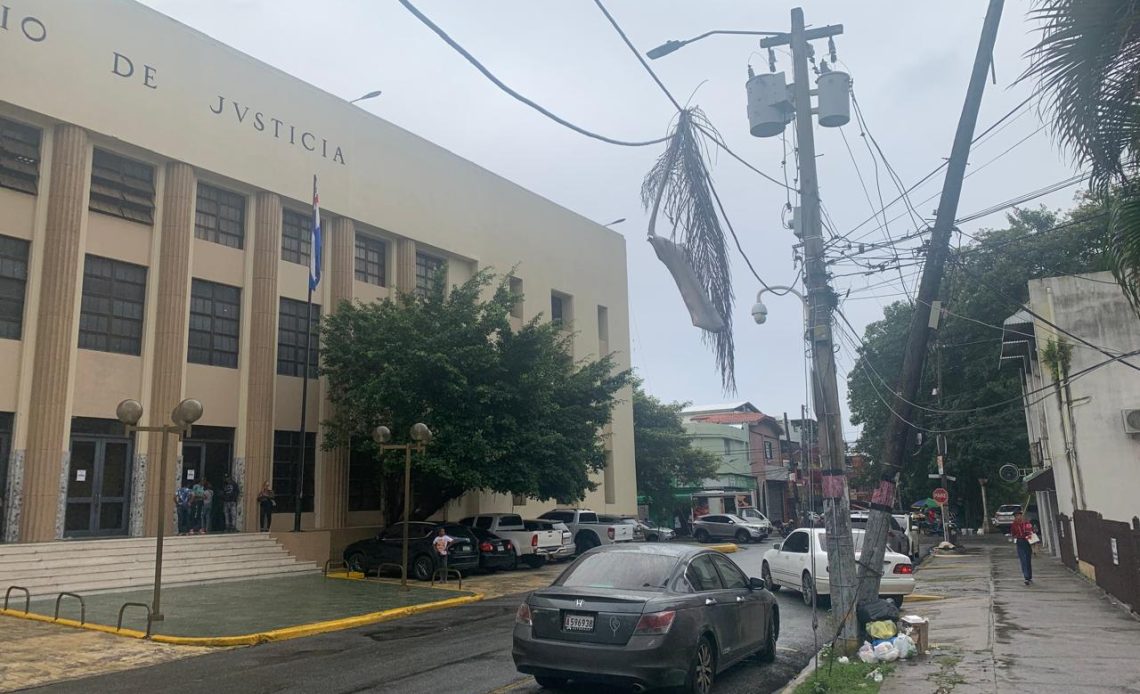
{"type": "Point", "coordinates": [757, 583]}
{"type": "Point", "coordinates": [777, 546]}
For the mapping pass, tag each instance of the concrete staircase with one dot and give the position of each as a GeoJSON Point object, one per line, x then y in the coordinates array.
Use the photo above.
{"type": "Point", "coordinates": [91, 566]}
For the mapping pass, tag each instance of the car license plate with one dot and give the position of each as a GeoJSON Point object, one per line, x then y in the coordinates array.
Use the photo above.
{"type": "Point", "coordinates": [578, 622]}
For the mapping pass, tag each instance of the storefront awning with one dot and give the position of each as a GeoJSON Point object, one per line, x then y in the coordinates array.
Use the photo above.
{"type": "Point", "coordinates": [1041, 481]}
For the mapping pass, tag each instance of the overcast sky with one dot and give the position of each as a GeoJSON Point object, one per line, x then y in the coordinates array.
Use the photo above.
{"type": "Point", "coordinates": [910, 63]}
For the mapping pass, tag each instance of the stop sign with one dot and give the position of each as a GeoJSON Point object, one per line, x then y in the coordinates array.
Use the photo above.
{"type": "Point", "coordinates": [940, 496]}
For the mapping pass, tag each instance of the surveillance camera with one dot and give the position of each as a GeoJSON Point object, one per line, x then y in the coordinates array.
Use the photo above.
{"type": "Point", "coordinates": [759, 313]}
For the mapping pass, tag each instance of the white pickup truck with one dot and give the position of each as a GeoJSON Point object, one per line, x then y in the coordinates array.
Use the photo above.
{"type": "Point", "coordinates": [533, 547]}
{"type": "Point", "coordinates": [588, 531]}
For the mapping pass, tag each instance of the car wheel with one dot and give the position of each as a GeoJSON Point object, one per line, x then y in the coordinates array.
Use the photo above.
{"type": "Point", "coordinates": [742, 537]}
{"type": "Point", "coordinates": [702, 535]}
{"type": "Point", "coordinates": [514, 563]}
{"type": "Point", "coordinates": [652, 537]}
{"type": "Point", "coordinates": [768, 655]}
{"type": "Point", "coordinates": [550, 682]}
{"type": "Point", "coordinates": [422, 567]}
{"type": "Point", "coordinates": [533, 561]}
{"type": "Point", "coordinates": [355, 562]}
{"type": "Point", "coordinates": [585, 542]}
{"type": "Point", "coordinates": [766, 574]}
{"type": "Point", "coordinates": [807, 588]}
{"type": "Point", "coordinates": [702, 671]}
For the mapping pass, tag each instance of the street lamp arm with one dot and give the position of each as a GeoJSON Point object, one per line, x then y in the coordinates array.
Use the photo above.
{"type": "Point", "coordinates": [781, 291]}
{"type": "Point", "coordinates": [670, 46]}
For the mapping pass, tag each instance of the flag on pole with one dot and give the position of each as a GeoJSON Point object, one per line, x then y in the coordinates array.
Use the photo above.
{"type": "Point", "coordinates": [315, 241]}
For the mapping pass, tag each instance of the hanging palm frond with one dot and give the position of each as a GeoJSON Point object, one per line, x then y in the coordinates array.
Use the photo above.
{"type": "Point", "coordinates": [679, 185]}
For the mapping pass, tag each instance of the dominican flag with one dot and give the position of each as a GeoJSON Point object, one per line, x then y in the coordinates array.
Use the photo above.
{"type": "Point", "coordinates": [316, 243]}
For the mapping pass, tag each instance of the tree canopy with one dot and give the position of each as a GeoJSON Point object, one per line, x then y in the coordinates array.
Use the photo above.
{"type": "Point", "coordinates": [666, 458]}
{"type": "Point", "coordinates": [981, 409]}
{"type": "Point", "coordinates": [512, 412]}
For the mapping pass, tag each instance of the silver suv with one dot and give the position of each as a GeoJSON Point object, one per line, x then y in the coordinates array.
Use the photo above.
{"type": "Point", "coordinates": [728, 527]}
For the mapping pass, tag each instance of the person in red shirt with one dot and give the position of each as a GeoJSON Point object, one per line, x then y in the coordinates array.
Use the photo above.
{"type": "Point", "coordinates": [1020, 531]}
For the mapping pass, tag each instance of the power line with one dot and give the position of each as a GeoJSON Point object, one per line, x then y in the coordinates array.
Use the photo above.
{"type": "Point", "coordinates": [637, 54]}
{"type": "Point", "coordinates": [516, 95]}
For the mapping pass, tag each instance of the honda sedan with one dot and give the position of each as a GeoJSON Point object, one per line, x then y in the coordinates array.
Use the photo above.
{"type": "Point", "coordinates": [645, 616]}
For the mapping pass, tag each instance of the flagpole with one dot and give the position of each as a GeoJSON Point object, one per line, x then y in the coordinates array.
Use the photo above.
{"type": "Point", "coordinates": [315, 260]}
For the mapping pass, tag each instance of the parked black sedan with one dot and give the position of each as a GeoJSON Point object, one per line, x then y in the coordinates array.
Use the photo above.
{"type": "Point", "coordinates": [645, 616]}
{"type": "Point", "coordinates": [494, 552]}
{"type": "Point", "coordinates": [386, 548]}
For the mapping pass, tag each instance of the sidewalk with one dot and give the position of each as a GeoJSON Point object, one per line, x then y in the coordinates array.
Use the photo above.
{"type": "Point", "coordinates": [993, 634]}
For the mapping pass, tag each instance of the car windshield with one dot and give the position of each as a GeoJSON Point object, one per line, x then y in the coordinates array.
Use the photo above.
{"type": "Point", "coordinates": [625, 570]}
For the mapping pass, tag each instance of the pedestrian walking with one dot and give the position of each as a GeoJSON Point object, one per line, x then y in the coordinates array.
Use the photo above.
{"type": "Point", "coordinates": [182, 505]}
{"type": "Point", "coordinates": [197, 499]}
{"type": "Point", "coordinates": [441, 542]}
{"type": "Point", "coordinates": [207, 507]}
{"type": "Point", "coordinates": [230, 494]}
{"type": "Point", "coordinates": [266, 502]}
{"type": "Point", "coordinates": [1022, 533]}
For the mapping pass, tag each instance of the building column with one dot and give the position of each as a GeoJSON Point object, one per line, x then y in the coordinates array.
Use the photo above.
{"type": "Point", "coordinates": [332, 472]}
{"type": "Point", "coordinates": [406, 265]}
{"type": "Point", "coordinates": [263, 355]}
{"type": "Point", "coordinates": [175, 234]}
{"type": "Point", "coordinates": [45, 461]}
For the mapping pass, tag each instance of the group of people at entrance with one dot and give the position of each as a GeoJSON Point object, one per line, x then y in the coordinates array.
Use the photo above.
{"type": "Point", "coordinates": [195, 506]}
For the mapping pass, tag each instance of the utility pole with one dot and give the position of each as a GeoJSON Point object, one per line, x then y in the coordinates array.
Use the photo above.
{"type": "Point", "coordinates": [985, 508]}
{"type": "Point", "coordinates": [821, 301]}
{"type": "Point", "coordinates": [894, 443]}
{"type": "Point", "coordinates": [940, 439]}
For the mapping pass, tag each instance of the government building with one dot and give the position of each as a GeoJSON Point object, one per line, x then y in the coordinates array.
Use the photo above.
{"type": "Point", "coordinates": [155, 211]}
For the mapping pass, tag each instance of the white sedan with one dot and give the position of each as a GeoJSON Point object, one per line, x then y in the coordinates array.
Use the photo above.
{"type": "Point", "coordinates": [790, 565]}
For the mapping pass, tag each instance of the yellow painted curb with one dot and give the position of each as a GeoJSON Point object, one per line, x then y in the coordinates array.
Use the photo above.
{"type": "Point", "coordinates": [726, 548]}
{"type": "Point", "coordinates": [922, 598]}
{"type": "Point", "coordinates": [283, 634]}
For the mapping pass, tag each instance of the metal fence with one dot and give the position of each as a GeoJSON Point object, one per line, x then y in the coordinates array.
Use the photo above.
{"type": "Point", "coordinates": [1113, 550]}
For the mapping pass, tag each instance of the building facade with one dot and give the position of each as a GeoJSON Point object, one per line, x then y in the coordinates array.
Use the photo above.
{"type": "Point", "coordinates": [155, 206]}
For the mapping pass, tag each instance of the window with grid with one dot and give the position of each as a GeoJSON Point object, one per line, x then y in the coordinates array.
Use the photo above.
{"type": "Point", "coordinates": [122, 187]}
{"type": "Point", "coordinates": [291, 339]}
{"type": "Point", "coordinates": [111, 313]}
{"type": "Point", "coordinates": [295, 237]}
{"type": "Point", "coordinates": [363, 479]}
{"type": "Point", "coordinates": [220, 216]}
{"type": "Point", "coordinates": [557, 310]}
{"type": "Point", "coordinates": [215, 317]}
{"type": "Point", "coordinates": [19, 156]}
{"type": "Point", "coordinates": [13, 280]}
{"type": "Point", "coordinates": [426, 268]}
{"type": "Point", "coordinates": [286, 449]}
{"type": "Point", "coordinates": [371, 256]}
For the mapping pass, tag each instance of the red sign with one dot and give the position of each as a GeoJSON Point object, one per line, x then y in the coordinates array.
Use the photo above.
{"type": "Point", "coordinates": [940, 496]}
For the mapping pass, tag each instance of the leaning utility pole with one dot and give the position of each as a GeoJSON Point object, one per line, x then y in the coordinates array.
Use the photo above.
{"type": "Point", "coordinates": [894, 443]}
{"type": "Point", "coordinates": [821, 301]}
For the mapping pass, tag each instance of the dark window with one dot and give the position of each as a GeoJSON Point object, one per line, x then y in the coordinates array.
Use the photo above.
{"type": "Point", "coordinates": [714, 519]}
{"type": "Point", "coordinates": [515, 285]}
{"type": "Point", "coordinates": [510, 521]}
{"type": "Point", "coordinates": [564, 516]}
{"type": "Point", "coordinates": [296, 237]}
{"type": "Point", "coordinates": [730, 575]}
{"type": "Point", "coordinates": [363, 479]}
{"type": "Point", "coordinates": [111, 317]}
{"type": "Point", "coordinates": [622, 570]}
{"type": "Point", "coordinates": [768, 450]}
{"type": "Point", "coordinates": [556, 313]}
{"type": "Point", "coordinates": [797, 542]}
{"type": "Point", "coordinates": [603, 324]}
{"type": "Point", "coordinates": [122, 187]}
{"type": "Point", "coordinates": [220, 216]}
{"type": "Point", "coordinates": [587, 517]}
{"type": "Point", "coordinates": [215, 317]}
{"type": "Point", "coordinates": [19, 156]}
{"type": "Point", "coordinates": [427, 267]}
{"type": "Point", "coordinates": [286, 448]}
{"type": "Point", "coordinates": [702, 575]}
{"type": "Point", "coordinates": [291, 339]}
{"type": "Point", "coordinates": [370, 259]}
{"type": "Point", "coordinates": [483, 522]}
{"type": "Point", "coordinates": [13, 279]}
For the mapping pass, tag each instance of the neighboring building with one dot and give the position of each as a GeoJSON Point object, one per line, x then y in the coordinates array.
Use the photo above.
{"type": "Point", "coordinates": [155, 206]}
{"type": "Point", "coordinates": [1085, 485]}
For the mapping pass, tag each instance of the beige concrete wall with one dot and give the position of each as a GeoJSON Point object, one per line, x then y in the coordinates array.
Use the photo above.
{"type": "Point", "coordinates": [19, 214]}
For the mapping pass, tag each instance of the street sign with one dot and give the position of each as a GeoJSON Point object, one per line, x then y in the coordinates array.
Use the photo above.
{"type": "Point", "coordinates": [940, 496]}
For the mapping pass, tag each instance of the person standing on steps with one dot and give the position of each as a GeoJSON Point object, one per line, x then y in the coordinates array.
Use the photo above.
{"type": "Point", "coordinates": [266, 502]}
{"type": "Point", "coordinates": [231, 492]}
{"type": "Point", "coordinates": [207, 507]}
{"type": "Point", "coordinates": [197, 500]}
{"type": "Point", "coordinates": [1021, 531]}
{"type": "Point", "coordinates": [182, 504]}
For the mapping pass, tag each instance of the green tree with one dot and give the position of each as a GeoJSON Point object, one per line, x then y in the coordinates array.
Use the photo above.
{"type": "Point", "coordinates": [980, 407]}
{"type": "Point", "coordinates": [1086, 65]}
{"type": "Point", "coordinates": [666, 458]}
{"type": "Point", "coordinates": [511, 410]}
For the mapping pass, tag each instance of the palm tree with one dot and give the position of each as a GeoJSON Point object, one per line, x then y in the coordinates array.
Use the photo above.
{"type": "Point", "coordinates": [1087, 65]}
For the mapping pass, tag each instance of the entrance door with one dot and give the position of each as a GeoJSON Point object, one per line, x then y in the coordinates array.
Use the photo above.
{"type": "Point", "coordinates": [193, 463]}
{"type": "Point", "coordinates": [208, 461]}
{"type": "Point", "coordinates": [98, 487]}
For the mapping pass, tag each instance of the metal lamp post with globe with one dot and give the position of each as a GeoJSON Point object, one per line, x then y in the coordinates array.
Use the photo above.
{"type": "Point", "coordinates": [422, 436]}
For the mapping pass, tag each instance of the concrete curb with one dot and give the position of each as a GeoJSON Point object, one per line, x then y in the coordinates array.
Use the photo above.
{"type": "Point", "coordinates": [282, 634]}
{"type": "Point", "coordinates": [922, 598]}
{"type": "Point", "coordinates": [800, 678]}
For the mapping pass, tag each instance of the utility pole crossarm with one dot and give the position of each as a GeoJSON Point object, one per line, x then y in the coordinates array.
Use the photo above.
{"type": "Point", "coordinates": [808, 35]}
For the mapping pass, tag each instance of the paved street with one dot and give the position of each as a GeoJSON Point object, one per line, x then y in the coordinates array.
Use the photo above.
{"type": "Point", "coordinates": [464, 650]}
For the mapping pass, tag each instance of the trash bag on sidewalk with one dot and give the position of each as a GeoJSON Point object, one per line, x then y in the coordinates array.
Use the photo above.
{"type": "Point", "coordinates": [881, 629]}
{"type": "Point", "coordinates": [867, 653]}
{"type": "Point", "coordinates": [886, 652]}
{"type": "Point", "coordinates": [876, 611]}
{"type": "Point", "coordinates": [904, 645]}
